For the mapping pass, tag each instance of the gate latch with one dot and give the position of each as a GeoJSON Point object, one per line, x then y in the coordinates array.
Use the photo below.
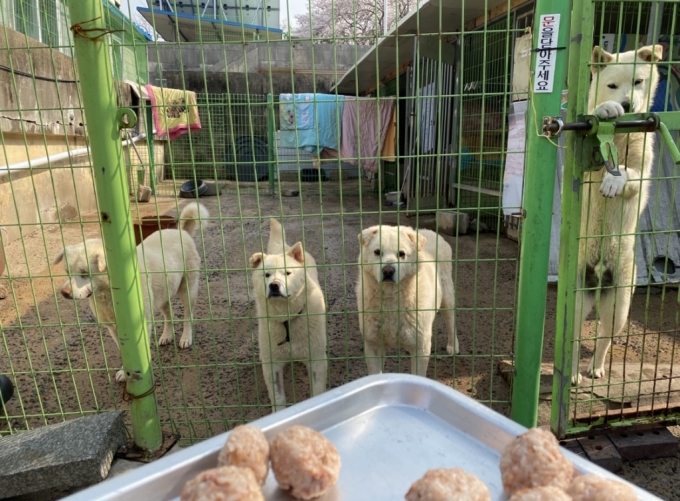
{"type": "Point", "coordinates": [597, 136]}
{"type": "Point", "coordinates": [608, 151]}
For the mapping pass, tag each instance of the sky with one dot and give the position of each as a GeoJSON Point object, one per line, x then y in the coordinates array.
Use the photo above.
{"type": "Point", "coordinates": [295, 7]}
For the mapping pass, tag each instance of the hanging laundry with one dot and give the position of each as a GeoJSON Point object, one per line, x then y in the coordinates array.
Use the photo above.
{"type": "Point", "coordinates": [174, 111]}
{"type": "Point", "coordinates": [365, 123]}
{"type": "Point", "coordinates": [310, 121]}
{"type": "Point", "coordinates": [388, 151]}
{"type": "Point", "coordinates": [296, 111]}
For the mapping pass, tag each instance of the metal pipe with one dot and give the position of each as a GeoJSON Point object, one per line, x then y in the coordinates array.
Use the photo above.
{"type": "Point", "coordinates": [39, 162]}
{"type": "Point", "coordinates": [271, 137]}
{"type": "Point", "coordinates": [643, 125]}
{"type": "Point", "coordinates": [654, 26]}
{"type": "Point", "coordinates": [538, 197]}
{"type": "Point", "coordinates": [103, 127]}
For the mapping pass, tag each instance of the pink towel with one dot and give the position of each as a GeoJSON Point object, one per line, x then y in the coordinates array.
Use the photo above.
{"type": "Point", "coordinates": [364, 126]}
{"type": "Point", "coordinates": [174, 111]}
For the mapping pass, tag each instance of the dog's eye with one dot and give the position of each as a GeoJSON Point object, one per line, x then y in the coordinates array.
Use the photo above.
{"type": "Point", "coordinates": [376, 252]}
{"type": "Point", "coordinates": [288, 273]}
{"type": "Point", "coordinates": [638, 82]}
{"type": "Point", "coordinates": [267, 275]}
{"type": "Point", "coordinates": [402, 254]}
{"type": "Point", "coordinates": [613, 86]}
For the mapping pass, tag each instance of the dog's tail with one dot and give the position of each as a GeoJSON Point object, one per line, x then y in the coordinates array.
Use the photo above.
{"type": "Point", "coordinates": [193, 217]}
{"type": "Point", "coordinates": [277, 238]}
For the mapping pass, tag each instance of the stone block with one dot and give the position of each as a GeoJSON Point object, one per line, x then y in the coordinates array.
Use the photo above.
{"type": "Point", "coordinates": [453, 223]}
{"type": "Point", "coordinates": [74, 453]}
{"type": "Point", "coordinates": [601, 451]}
{"type": "Point", "coordinates": [647, 444]}
{"type": "Point", "coordinates": [143, 193]}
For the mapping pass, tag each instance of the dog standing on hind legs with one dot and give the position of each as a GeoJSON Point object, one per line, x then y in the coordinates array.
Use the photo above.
{"type": "Point", "coordinates": [170, 255]}
{"type": "Point", "coordinates": [291, 314]}
{"type": "Point", "coordinates": [612, 204]}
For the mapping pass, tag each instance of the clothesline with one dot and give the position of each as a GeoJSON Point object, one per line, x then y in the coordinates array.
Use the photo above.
{"type": "Point", "coordinates": [359, 131]}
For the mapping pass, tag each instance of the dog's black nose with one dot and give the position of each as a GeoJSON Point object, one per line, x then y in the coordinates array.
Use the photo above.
{"type": "Point", "coordinates": [388, 272]}
{"type": "Point", "coordinates": [626, 106]}
{"type": "Point", "coordinates": [274, 287]}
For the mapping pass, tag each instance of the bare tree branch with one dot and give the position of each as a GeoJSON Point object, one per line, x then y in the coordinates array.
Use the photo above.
{"type": "Point", "coordinates": [358, 22]}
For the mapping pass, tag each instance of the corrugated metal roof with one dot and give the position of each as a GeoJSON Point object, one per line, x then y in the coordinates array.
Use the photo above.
{"type": "Point", "coordinates": [396, 49]}
{"type": "Point", "coordinates": [191, 28]}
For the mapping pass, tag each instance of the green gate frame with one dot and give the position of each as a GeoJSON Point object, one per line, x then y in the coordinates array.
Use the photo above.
{"type": "Point", "coordinates": [580, 49]}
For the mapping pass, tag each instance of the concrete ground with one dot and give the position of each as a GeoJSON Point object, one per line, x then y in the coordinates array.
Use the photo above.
{"type": "Point", "coordinates": [63, 362]}
{"type": "Point", "coordinates": [659, 476]}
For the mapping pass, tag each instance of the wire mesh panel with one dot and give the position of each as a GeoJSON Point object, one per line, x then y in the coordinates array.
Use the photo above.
{"type": "Point", "coordinates": [485, 95]}
{"type": "Point", "coordinates": [316, 130]}
{"type": "Point", "coordinates": [624, 372]}
{"type": "Point", "coordinates": [236, 137]}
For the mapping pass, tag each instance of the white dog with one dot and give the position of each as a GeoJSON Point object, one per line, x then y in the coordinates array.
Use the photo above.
{"type": "Point", "coordinates": [399, 291]}
{"type": "Point", "coordinates": [174, 262]}
{"type": "Point", "coordinates": [291, 314]}
{"type": "Point", "coordinates": [612, 204]}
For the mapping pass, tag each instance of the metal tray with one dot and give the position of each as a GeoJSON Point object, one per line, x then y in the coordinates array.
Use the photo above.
{"type": "Point", "coordinates": [389, 430]}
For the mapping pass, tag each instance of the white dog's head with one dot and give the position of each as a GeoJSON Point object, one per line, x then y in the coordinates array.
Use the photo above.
{"type": "Point", "coordinates": [627, 78]}
{"type": "Point", "coordinates": [279, 275]}
{"type": "Point", "coordinates": [390, 253]}
{"type": "Point", "coordinates": [80, 261]}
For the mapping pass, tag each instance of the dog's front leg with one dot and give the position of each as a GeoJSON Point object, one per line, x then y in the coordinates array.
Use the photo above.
{"type": "Point", "coordinates": [317, 370]}
{"type": "Point", "coordinates": [637, 151]}
{"type": "Point", "coordinates": [273, 379]}
{"type": "Point", "coordinates": [374, 357]}
{"type": "Point", "coordinates": [420, 357]}
{"type": "Point", "coordinates": [612, 186]}
{"type": "Point", "coordinates": [120, 375]}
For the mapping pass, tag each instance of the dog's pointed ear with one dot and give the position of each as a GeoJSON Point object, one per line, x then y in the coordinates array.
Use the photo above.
{"type": "Point", "coordinates": [59, 257]}
{"type": "Point", "coordinates": [256, 259]}
{"type": "Point", "coordinates": [651, 53]}
{"type": "Point", "coordinates": [297, 253]}
{"type": "Point", "coordinates": [367, 235]}
{"type": "Point", "coordinates": [416, 238]}
{"type": "Point", "coordinates": [600, 56]}
{"type": "Point", "coordinates": [99, 260]}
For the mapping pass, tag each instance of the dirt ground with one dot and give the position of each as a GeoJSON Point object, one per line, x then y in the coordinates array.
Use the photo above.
{"type": "Point", "coordinates": [63, 363]}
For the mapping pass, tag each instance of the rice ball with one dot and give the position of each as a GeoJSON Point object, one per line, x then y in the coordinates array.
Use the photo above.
{"type": "Point", "coordinates": [534, 459]}
{"type": "Point", "coordinates": [246, 447]}
{"type": "Point", "coordinates": [227, 483]}
{"type": "Point", "coordinates": [595, 488]}
{"type": "Point", "coordinates": [304, 462]}
{"type": "Point", "coordinates": [442, 484]}
{"type": "Point", "coordinates": [546, 493]}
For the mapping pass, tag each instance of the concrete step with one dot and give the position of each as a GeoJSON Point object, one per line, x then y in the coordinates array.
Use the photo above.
{"type": "Point", "coordinates": [59, 457]}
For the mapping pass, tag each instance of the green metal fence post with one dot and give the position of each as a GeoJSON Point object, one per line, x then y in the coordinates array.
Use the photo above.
{"type": "Point", "coordinates": [581, 43]}
{"type": "Point", "coordinates": [150, 145]}
{"type": "Point", "coordinates": [271, 132]}
{"type": "Point", "coordinates": [103, 128]}
{"type": "Point", "coordinates": [539, 175]}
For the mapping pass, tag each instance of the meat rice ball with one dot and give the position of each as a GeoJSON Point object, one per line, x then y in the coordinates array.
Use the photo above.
{"type": "Point", "coordinates": [534, 459]}
{"type": "Point", "coordinates": [304, 462]}
{"type": "Point", "coordinates": [246, 447]}
{"type": "Point", "coordinates": [546, 493]}
{"type": "Point", "coordinates": [226, 483]}
{"type": "Point", "coordinates": [444, 484]}
{"type": "Point", "coordinates": [595, 488]}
